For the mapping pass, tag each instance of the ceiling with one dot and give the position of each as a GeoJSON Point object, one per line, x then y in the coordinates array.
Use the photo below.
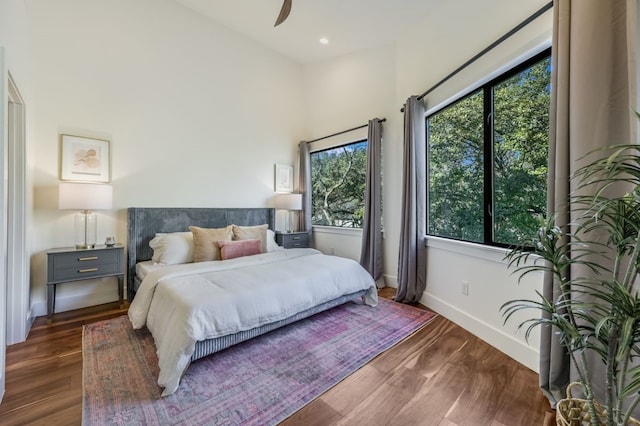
{"type": "Point", "coordinates": [349, 25]}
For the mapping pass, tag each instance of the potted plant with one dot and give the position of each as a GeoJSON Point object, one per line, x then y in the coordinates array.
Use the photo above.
{"type": "Point", "coordinates": [594, 263]}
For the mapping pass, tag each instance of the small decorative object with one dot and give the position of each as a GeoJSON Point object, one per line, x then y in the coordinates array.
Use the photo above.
{"type": "Point", "coordinates": [110, 241]}
{"type": "Point", "coordinates": [85, 197]}
{"type": "Point", "coordinates": [84, 159]}
{"type": "Point", "coordinates": [283, 178]}
{"type": "Point", "coordinates": [595, 265]}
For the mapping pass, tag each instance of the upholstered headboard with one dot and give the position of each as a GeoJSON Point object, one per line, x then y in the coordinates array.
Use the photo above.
{"type": "Point", "coordinates": [144, 222]}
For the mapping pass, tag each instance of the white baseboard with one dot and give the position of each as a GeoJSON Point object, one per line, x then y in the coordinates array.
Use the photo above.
{"type": "Point", "coordinates": [390, 281]}
{"type": "Point", "coordinates": [73, 301]}
{"type": "Point", "coordinates": [516, 349]}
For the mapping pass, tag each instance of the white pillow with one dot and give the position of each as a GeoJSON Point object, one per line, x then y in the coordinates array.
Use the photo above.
{"type": "Point", "coordinates": [173, 248]}
{"type": "Point", "coordinates": [271, 241]}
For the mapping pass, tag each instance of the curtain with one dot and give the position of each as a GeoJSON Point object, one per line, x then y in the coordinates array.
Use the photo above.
{"type": "Point", "coordinates": [412, 268]}
{"type": "Point", "coordinates": [593, 91]}
{"type": "Point", "coordinates": [304, 187]}
{"type": "Point", "coordinates": [371, 251]}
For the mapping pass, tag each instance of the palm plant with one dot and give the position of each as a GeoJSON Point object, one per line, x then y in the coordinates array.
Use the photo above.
{"type": "Point", "coordinates": [594, 263]}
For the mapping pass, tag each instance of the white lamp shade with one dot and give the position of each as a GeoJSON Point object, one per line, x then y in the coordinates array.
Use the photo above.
{"type": "Point", "coordinates": [288, 201]}
{"type": "Point", "coordinates": [84, 196]}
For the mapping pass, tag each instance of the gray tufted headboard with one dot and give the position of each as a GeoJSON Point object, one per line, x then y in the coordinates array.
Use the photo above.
{"type": "Point", "coordinates": [144, 222]}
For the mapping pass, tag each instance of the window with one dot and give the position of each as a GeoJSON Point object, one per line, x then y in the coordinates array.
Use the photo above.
{"type": "Point", "coordinates": [338, 179]}
{"type": "Point", "coordinates": [487, 158]}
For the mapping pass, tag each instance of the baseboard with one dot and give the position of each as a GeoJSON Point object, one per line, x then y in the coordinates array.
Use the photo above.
{"type": "Point", "coordinates": [71, 302]}
{"type": "Point", "coordinates": [507, 344]}
{"type": "Point", "coordinates": [390, 281]}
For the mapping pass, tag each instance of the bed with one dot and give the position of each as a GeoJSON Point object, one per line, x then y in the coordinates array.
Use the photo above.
{"type": "Point", "coordinates": [199, 308]}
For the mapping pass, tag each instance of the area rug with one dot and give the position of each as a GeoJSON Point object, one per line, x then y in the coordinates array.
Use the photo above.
{"type": "Point", "coordinates": [258, 382]}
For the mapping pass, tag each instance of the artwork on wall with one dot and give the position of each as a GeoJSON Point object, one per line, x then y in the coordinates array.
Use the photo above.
{"type": "Point", "coordinates": [283, 178]}
{"type": "Point", "coordinates": [85, 159]}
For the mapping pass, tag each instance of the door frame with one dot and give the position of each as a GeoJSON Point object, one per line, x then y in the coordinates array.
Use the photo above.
{"type": "Point", "coordinates": [19, 318]}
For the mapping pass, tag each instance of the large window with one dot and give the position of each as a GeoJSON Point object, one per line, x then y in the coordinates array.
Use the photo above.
{"type": "Point", "coordinates": [338, 178]}
{"type": "Point", "coordinates": [487, 158]}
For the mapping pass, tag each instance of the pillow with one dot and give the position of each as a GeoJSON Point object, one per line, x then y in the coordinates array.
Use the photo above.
{"type": "Point", "coordinates": [271, 241]}
{"type": "Point", "coordinates": [233, 249]}
{"type": "Point", "coordinates": [258, 232]}
{"type": "Point", "coordinates": [204, 240]}
{"type": "Point", "coordinates": [172, 248]}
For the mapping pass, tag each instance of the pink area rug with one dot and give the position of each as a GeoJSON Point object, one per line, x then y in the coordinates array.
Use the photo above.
{"type": "Point", "coordinates": [259, 382]}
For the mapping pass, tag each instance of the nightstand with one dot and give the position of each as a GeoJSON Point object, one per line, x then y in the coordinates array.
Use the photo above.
{"type": "Point", "coordinates": [293, 239]}
{"type": "Point", "coordinates": [70, 264]}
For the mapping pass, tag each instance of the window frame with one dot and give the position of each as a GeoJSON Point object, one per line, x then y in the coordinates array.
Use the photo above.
{"type": "Point", "coordinates": [329, 148]}
{"type": "Point", "coordinates": [488, 130]}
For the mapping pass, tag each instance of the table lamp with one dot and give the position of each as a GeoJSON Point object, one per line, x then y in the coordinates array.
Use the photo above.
{"type": "Point", "coordinates": [288, 202]}
{"type": "Point", "coordinates": [85, 197]}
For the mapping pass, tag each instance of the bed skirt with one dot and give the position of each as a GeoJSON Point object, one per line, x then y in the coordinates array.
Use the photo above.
{"type": "Point", "coordinates": [209, 346]}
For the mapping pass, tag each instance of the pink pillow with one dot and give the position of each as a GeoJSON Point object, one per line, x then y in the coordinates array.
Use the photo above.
{"type": "Point", "coordinates": [239, 248]}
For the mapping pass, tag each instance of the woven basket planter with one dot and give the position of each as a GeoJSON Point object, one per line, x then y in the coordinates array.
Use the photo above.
{"type": "Point", "coordinates": [575, 411]}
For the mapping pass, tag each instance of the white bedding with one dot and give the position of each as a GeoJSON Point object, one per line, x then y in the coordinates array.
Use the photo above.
{"type": "Point", "coordinates": [143, 268]}
{"type": "Point", "coordinates": [182, 304]}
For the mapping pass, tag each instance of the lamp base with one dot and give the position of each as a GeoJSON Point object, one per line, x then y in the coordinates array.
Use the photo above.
{"type": "Point", "coordinates": [85, 230]}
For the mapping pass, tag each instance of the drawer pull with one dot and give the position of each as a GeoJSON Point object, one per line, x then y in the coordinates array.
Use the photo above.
{"type": "Point", "coordinates": [296, 238]}
{"type": "Point", "coordinates": [88, 258]}
{"type": "Point", "coordinates": [88, 270]}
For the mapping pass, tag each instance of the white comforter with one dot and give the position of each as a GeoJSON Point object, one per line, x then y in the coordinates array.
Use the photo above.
{"type": "Point", "coordinates": [182, 304]}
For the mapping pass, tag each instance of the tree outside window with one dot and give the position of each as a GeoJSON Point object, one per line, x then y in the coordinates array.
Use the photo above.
{"type": "Point", "coordinates": [338, 179]}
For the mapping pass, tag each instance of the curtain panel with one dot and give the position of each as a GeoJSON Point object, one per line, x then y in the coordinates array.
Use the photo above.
{"type": "Point", "coordinates": [371, 251]}
{"type": "Point", "coordinates": [412, 261]}
{"type": "Point", "coordinates": [304, 187]}
{"type": "Point", "coordinates": [593, 93]}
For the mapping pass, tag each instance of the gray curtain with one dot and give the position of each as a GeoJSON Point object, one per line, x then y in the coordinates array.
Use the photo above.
{"type": "Point", "coordinates": [371, 252]}
{"type": "Point", "coordinates": [593, 88]}
{"type": "Point", "coordinates": [304, 187]}
{"type": "Point", "coordinates": [412, 262]}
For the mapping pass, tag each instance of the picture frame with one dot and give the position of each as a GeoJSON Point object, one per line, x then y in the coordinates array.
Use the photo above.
{"type": "Point", "coordinates": [283, 178]}
{"type": "Point", "coordinates": [85, 159]}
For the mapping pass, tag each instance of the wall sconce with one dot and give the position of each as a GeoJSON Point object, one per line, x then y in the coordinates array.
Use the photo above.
{"type": "Point", "coordinates": [85, 197]}
{"type": "Point", "coordinates": [288, 202]}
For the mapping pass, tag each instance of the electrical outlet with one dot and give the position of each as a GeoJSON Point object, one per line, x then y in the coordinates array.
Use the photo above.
{"type": "Point", "coordinates": [464, 288]}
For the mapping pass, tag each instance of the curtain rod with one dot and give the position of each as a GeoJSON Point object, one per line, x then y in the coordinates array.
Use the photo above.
{"type": "Point", "coordinates": [514, 30]}
{"type": "Point", "coordinates": [382, 120]}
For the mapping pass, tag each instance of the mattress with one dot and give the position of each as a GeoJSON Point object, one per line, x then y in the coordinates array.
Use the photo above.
{"type": "Point", "coordinates": [143, 268]}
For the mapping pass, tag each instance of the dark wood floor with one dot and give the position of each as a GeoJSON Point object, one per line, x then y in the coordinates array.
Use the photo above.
{"type": "Point", "coordinates": [442, 375]}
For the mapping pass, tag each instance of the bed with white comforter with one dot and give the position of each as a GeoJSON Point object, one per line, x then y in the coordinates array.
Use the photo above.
{"type": "Point", "coordinates": [187, 303]}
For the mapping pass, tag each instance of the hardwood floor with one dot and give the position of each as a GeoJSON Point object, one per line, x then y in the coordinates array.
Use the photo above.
{"type": "Point", "coordinates": [442, 375]}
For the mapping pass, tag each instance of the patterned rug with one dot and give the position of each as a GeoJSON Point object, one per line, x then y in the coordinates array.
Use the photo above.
{"type": "Point", "coordinates": [259, 382]}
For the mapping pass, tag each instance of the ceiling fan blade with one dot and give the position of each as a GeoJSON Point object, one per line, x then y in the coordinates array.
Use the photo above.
{"type": "Point", "coordinates": [284, 12]}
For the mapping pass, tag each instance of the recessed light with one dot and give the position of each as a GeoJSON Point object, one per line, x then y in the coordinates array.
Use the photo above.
{"type": "Point", "coordinates": [324, 40]}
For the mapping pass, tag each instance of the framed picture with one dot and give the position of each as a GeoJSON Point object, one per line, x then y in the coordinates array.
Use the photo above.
{"type": "Point", "coordinates": [283, 178]}
{"type": "Point", "coordinates": [86, 159]}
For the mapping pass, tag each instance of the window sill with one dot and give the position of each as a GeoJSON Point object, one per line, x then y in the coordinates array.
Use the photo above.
{"type": "Point", "coordinates": [353, 232]}
{"type": "Point", "coordinates": [481, 251]}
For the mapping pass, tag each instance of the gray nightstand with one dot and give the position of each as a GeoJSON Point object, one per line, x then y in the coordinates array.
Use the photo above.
{"type": "Point", "coordinates": [70, 264]}
{"type": "Point", "coordinates": [293, 239]}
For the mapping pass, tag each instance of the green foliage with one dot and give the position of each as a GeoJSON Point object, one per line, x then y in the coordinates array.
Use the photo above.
{"type": "Point", "coordinates": [338, 180]}
{"type": "Point", "coordinates": [519, 164]}
{"type": "Point", "coordinates": [594, 264]}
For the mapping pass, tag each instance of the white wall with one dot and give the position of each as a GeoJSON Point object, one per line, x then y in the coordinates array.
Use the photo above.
{"type": "Point", "coordinates": [346, 92]}
{"type": "Point", "coordinates": [196, 114]}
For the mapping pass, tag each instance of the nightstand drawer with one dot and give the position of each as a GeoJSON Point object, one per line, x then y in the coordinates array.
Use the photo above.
{"type": "Point", "coordinates": [293, 239]}
{"type": "Point", "coordinates": [83, 264]}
